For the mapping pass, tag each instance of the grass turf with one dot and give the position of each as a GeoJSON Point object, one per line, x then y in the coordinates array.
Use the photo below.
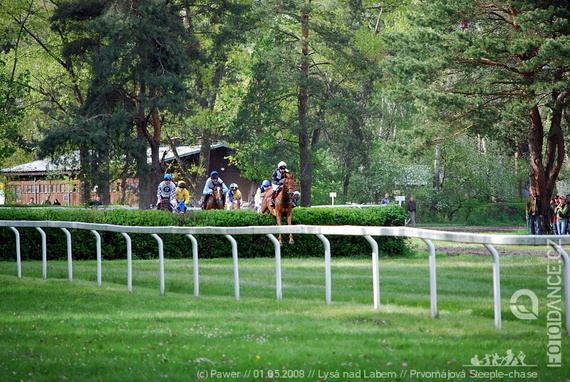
{"type": "Point", "coordinates": [59, 330]}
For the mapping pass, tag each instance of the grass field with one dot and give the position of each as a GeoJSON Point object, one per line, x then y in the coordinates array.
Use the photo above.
{"type": "Point", "coordinates": [52, 330]}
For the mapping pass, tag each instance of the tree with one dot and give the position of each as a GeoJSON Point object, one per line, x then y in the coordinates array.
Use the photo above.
{"type": "Point", "coordinates": [309, 90]}
{"type": "Point", "coordinates": [137, 56]}
{"type": "Point", "coordinates": [482, 67]}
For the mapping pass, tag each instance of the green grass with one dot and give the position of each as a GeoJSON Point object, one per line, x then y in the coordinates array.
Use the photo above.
{"type": "Point", "coordinates": [59, 330]}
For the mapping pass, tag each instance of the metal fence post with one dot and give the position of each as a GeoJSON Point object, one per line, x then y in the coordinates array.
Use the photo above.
{"type": "Point", "coordinates": [432, 279]}
{"type": "Point", "coordinates": [129, 262]}
{"type": "Point", "coordinates": [160, 261]}
{"type": "Point", "coordinates": [375, 272]}
{"type": "Point", "coordinates": [235, 265]}
{"type": "Point", "coordinates": [69, 254]}
{"type": "Point", "coordinates": [44, 253]}
{"type": "Point", "coordinates": [278, 280]}
{"type": "Point", "coordinates": [496, 285]}
{"type": "Point", "coordinates": [99, 259]}
{"type": "Point", "coordinates": [195, 264]}
{"type": "Point", "coordinates": [18, 253]}
{"type": "Point", "coordinates": [328, 282]}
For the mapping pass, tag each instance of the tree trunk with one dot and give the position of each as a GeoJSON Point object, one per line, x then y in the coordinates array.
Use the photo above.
{"type": "Point", "coordinates": [437, 168]}
{"type": "Point", "coordinates": [306, 175]}
{"type": "Point", "coordinates": [544, 171]}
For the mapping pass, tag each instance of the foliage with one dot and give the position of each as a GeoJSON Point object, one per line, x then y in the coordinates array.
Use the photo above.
{"type": "Point", "coordinates": [12, 96]}
{"type": "Point", "coordinates": [349, 94]}
{"type": "Point", "coordinates": [176, 246]}
{"type": "Point", "coordinates": [490, 69]}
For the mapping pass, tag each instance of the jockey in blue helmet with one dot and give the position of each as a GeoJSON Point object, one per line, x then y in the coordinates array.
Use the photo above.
{"type": "Point", "coordinates": [212, 181]}
{"type": "Point", "coordinates": [260, 194]}
{"type": "Point", "coordinates": [166, 189]}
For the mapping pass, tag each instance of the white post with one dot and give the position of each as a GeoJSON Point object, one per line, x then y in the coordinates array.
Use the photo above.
{"type": "Point", "coordinates": [18, 253]}
{"type": "Point", "coordinates": [44, 253]}
{"type": "Point", "coordinates": [195, 264]}
{"type": "Point", "coordinates": [160, 261]}
{"type": "Point", "coordinates": [432, 279]}
{"type": "Point", "coordinates": [278, 283]}
{"type": "Point", "coordinates": [375, 272]}
{"type": "Point", "coordinates": [129, 262]}
{"type": "Point", "coordinates": [69, 255]}
{"type": "Point", "coordinates": [99, 258]}
{"type": "Point", "coordinates": [235, 263]}
{"type": "Point", "coordinates": [496, 285]}
{"type": "Point", "coordinates": [328, 282]}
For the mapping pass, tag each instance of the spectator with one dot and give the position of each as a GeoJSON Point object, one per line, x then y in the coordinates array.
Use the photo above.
{"type": "Point", "coordinates": [385, 199]}
{"type": "Point", "coordinates": [553, 204]}
{"type": "Point", "coordinates": [411, 208]}
{"type": "Point", "coordinates": [46, 201]}
{"type": "Point", "coordinates": [56, 202]}
{"type": "Point", "coordinates": [97, 202]}
{"type": "Point", "coordinates": [534, 213]}
{"type": "Point", "coordinates": [31, 201]}
{"type": "Point", "coordinates": [561, 213]}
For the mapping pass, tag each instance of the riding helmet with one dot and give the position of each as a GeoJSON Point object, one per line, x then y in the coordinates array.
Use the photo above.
{"type": "Point", "coordinates": [167, 177]}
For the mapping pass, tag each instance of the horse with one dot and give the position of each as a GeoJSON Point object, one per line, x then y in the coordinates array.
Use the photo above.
{"type": "Point", "coordinates": [164, 205]}
{"type": "Point", "coordinates": [216, 200]}
{"type": "Point", "coordinates": [283, 204]}
{"type": "Point", "coordinates": [234, 205]}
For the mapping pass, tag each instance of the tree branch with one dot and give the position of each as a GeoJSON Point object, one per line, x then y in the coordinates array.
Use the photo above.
{"type": "Point", "coordinates": [437, 140]}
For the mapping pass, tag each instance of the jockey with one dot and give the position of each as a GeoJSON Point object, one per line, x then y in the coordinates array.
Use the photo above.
{"type": "Point", "coordinates": [278, 177]}
{"type": "Point", "coordinates": [233, 194]}
{"type": "Point", "coordinates": [260, 194]}
{"type": "Point", "coordinates": [212, 181]}
{"type": "Point", "coordinates": [166, 189]}
{"type": "Point", "coordinates": [182, 193]}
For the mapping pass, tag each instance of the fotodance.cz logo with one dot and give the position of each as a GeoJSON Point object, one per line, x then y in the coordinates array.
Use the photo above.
{"type": "Point", "coordinates": [524, 305]}
{"type": "Point", "coordinates": [520, 305]}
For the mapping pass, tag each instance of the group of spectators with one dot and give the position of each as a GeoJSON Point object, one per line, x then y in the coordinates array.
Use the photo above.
{"type": "Point", "coordinates": [559, 208]}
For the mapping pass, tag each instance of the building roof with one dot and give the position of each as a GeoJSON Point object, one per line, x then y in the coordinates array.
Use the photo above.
{"type": "Point", "coordinates": [184, 151]}
{"type": "Point", "coordinates": [70, 163]}
{"type": "Point", "coordinates": [43, 166]}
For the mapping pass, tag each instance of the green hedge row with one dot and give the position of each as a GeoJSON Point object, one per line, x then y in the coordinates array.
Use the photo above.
{"type": "Point", "coordinates": [209, 246]}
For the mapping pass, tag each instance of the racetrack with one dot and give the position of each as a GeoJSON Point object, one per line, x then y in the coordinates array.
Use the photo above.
{"type": "Point", "coordinates": [481, 251]}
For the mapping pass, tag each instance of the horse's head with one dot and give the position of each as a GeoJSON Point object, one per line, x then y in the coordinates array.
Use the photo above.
{"type": "Point", "coordinates": [218, 192]}
{"type": "Point", "coordinates": [289, 184]}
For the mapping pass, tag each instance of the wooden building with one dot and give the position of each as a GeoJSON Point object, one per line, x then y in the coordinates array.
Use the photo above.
{"type": "Point", "coordinates": [35, 181]}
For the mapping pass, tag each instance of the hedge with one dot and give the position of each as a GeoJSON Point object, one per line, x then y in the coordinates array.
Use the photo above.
{"type": "Point", "coordinates": [209, 246]}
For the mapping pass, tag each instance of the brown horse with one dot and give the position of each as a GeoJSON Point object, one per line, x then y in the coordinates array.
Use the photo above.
{"type": "Point", "coordinates": [216, 201]}
{"type": "Point", "coordinates": [283, 204]}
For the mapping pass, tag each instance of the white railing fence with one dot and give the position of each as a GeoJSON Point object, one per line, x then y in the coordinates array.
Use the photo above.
{"type": "Point", "coordinates": [550, 241]}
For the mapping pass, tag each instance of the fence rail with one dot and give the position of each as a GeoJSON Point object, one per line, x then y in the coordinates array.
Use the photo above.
{"type": "Point", "coordinates": [555, 242]}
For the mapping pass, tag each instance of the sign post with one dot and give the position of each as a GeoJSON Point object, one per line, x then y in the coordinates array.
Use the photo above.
{"type": "Point", "coordinates": [332, 195]}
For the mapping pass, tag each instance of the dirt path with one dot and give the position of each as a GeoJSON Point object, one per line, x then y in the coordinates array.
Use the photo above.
{"type": "Point", "coordinates": [539, 252]}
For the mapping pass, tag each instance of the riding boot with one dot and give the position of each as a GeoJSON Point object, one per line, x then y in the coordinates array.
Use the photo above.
{"type": "Point", "coordinates": [272, 200]}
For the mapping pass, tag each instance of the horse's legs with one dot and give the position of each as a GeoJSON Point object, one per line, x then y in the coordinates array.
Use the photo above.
{"type": "Point", "coordinates": [278, 217]}
{"type": "Point", "coordinates": [289, 222]}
